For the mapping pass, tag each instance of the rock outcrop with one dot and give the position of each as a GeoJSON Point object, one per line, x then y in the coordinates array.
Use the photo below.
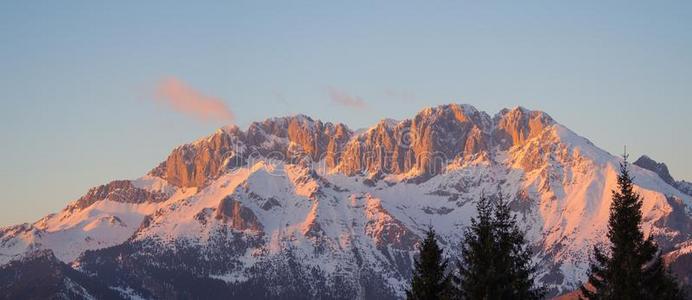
{"type": "Point", "coordinates": [662, 170]}
{"type": "Point", "coordinates": [119, 191]}
{"type": "Point", "coordinates": [386, 230]}
{"type": "Point", "coordinates": [659, 168]}
{"type": "Point", "coordinates": [240, 217]}
{"type": "Point", "coordinates": [297, 138]}
{"type": "Point", "coordinates": [423, 145]}
{"type": "Point", "coordinates": [515, 126]}
{"type": "Point", "coordinates": [192, 165]}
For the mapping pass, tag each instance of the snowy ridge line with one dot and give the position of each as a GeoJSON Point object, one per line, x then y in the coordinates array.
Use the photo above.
{"type": "Point", "coordinates": [283, 192]}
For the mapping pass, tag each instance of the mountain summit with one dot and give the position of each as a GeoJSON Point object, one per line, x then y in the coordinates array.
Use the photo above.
{"type": "Point", "coordinates": [661, 170]}
{"type": "Point", "coordinates": [294, 207]}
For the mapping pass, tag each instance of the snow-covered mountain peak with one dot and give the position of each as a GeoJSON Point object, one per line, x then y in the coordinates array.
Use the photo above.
{"type": "Point", "coordinates": [293, 206]}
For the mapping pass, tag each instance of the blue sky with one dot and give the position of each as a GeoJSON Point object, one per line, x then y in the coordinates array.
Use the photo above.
{"type": "Point", "coordinates": [78, 80]}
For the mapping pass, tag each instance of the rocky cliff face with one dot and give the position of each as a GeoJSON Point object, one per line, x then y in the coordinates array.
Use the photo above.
{"type": "Point", "coordinates": [296, 208]}
{"type": "Point", "coordinates": [516, 126]}
{"type": "Point", "coordinates": [421, 146]}
{"type": "Point", "coordinates": [119, 191]}
{"type": "Point", "coordinates": [661, 170]}
{"type": "Point", "coordinates": [239, 217]}
{"type": "Point", "coordinates": [296, 139]}
{"type": "Point", "coordinates": [193, 164]}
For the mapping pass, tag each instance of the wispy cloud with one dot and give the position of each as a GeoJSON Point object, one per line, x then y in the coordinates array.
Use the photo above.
{"type": "Point", "coordinates": [343, 98]}
{"type": "Point", "coordinates": [182, 98]}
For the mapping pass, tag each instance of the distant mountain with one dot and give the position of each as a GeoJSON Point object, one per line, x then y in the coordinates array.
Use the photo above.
{"type": "Point", "coordinates": [661, 169]}
{"type": "Point", "coordinates": [296, 208]}
{"type": "Point", "coordinates": [39, 275]}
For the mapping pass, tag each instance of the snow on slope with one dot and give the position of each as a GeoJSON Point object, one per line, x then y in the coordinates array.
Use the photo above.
{"type": "Point", "coordinates": [72, 231]}
{"type": "Point", "coordinates": [560, 185]}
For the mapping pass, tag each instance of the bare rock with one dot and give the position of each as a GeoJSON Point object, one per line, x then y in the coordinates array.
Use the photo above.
{"type": "Point", "coordinates": [240, 217]}
{"type": "Point", "coordinates": [119, 191]}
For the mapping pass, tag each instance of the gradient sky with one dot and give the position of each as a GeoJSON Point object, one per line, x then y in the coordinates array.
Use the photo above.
{"type": "Point", "coordinates": [83, 85]}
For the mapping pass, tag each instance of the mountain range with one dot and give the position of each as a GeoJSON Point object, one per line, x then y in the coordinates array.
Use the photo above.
{"type": "Point", "coordinates": [297, 208]}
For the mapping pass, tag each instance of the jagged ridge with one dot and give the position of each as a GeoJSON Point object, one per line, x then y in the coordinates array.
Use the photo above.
{"type": "Point", "coordinates": [312, 208]}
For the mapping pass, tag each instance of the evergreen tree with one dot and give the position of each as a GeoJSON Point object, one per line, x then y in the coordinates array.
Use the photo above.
{"type": "Point", "coordinates": [477, 276]}
{"type": "Point", "coordinates": [634, 269]}
{"type": "Point", "coordinates": [429, 279]}
{"type": "Point", "coordinates": [495, 260]}
{"type": "Point", "coordinates": [513, 255]}
{"type": "Point", "coordinates": [659, 283]}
